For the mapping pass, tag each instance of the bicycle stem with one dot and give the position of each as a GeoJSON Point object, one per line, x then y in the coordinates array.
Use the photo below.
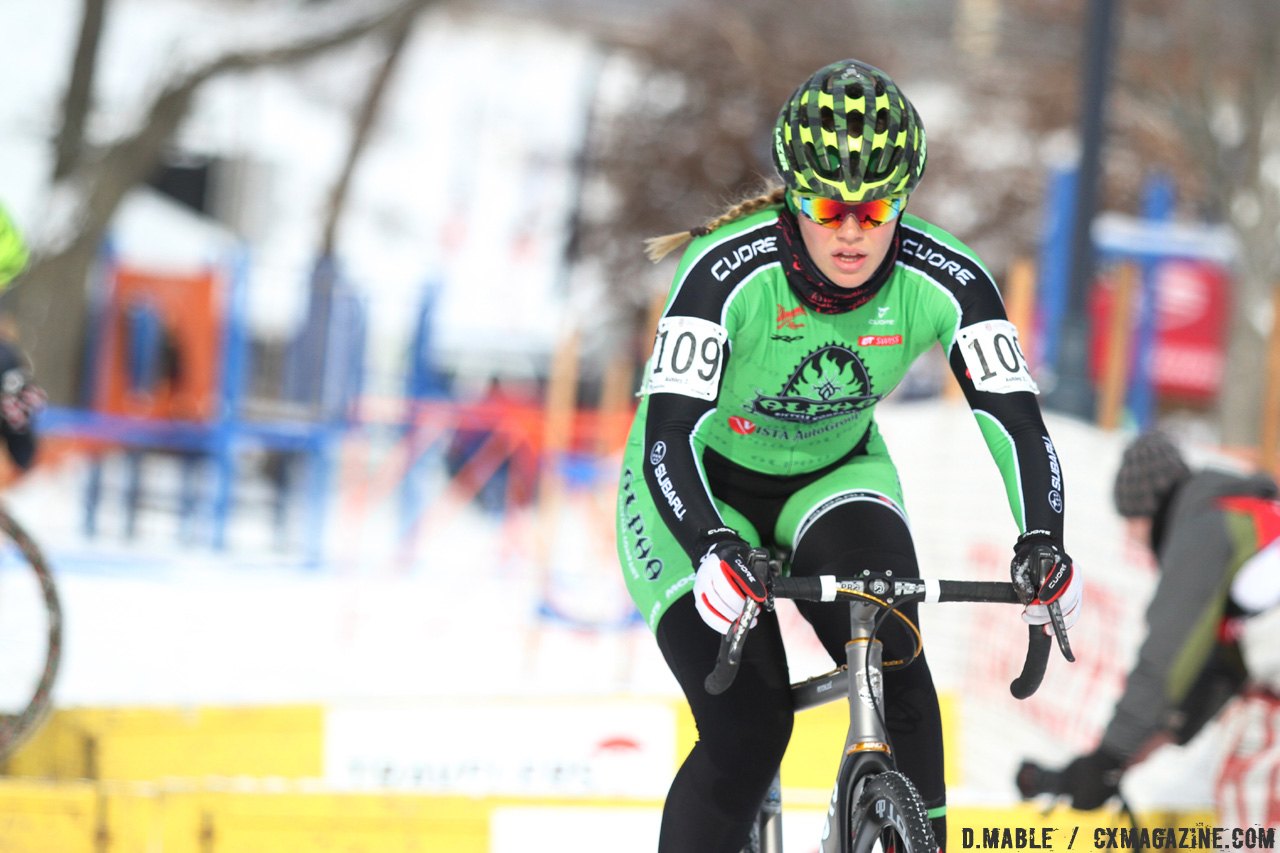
{"type": "Point", "coordinates": [864, 655]}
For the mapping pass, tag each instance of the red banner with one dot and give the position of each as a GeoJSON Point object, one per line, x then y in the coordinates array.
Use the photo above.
{"type": "Point", "coordinates": [1192, 309]}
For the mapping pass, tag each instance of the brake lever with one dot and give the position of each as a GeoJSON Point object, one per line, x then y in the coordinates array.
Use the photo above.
{"type": "Point", "coordinates": [1055, 614]}
{"type": "Point", "coordinates": [1060, 631]}
{"type": "Point", "coordinates": [730, 655]}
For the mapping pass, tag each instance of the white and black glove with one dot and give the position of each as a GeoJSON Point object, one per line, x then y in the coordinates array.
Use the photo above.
{"type": "Point", "coordinates": [724, 581]}
{"type": "Point", "coordinates": [1043, 574]}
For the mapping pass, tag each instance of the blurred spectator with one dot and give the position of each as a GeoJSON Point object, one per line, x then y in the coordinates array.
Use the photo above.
{"type": "Point", "coordinates": [1213, 629]}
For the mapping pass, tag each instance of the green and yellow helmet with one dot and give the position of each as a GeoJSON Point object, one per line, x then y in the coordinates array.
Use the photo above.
{"type": "Point", "coordinates": [13, 251]}
{"type": "Point", "coordinates": [849, 133]}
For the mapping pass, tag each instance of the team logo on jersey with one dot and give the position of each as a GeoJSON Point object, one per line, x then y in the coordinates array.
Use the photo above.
{"type": "Point", "coordinates": [787, 319]}
{"type": "Point", "coordinates": [931, 256]}
{"type": "Point", "coordinates": [637, 546]}
{"type": "Point", "coordinates": [882, 318]}
{"type": "Point", "coordinates": [829, 382]}
{"type": "Point", "coordinates": [879, 340]}
{"type": "Point", "coordinates": [658, 452]}
{"type": "Point", "coordinates": [727, 263]}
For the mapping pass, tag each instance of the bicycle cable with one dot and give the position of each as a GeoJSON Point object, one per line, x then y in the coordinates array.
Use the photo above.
{"type": "Point", "coordinates": [885, 609]}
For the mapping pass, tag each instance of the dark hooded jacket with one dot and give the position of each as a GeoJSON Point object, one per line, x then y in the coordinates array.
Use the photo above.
{"type": "Point", "coordinates": [1188, 666]}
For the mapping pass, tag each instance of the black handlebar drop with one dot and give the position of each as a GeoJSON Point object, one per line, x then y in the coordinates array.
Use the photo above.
{"type": "Point", "coordinates": [1038, 645]}
{"type": "Point", "coordinates": [1038, 642]}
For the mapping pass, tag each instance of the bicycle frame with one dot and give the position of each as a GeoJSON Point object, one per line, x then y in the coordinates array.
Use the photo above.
{"type": "Point", "coordinates": [866, 746]}
{"type": "Point", "coordinates": [867, 752]}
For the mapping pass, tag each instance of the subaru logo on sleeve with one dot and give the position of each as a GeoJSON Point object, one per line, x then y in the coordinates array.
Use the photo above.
{"type": "Point", "coordinates": [657, 452]}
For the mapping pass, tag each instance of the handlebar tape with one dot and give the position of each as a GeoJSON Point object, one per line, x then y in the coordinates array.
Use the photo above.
{"type": "Point", "coordinates": [798, 588]}
{"type": "Point", "coordinates": [1038, 645]}
{"type": "Point", "coordinates": [993, 592]}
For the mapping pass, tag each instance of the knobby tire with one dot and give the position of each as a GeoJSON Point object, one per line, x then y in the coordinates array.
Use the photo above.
{"type": "Point", "coordinates": [890, 811]}
{"type": "Point", "coordinates": [16, 728]}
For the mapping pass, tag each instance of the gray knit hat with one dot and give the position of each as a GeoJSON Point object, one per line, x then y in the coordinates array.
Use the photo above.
{"type": "Point", "coordinates": [1149, 470]}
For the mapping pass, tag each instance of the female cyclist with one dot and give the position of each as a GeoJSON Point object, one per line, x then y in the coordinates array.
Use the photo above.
{"type": "Point", "coordinates": [792, 315]}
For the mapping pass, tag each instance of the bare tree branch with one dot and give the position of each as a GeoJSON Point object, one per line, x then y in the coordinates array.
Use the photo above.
{"type": "Point", "coordinates": [94, 189]}
{"type": "Point", "coordinates": [76, 105]}
{"type": "Point", "coordinates": [397, 36]}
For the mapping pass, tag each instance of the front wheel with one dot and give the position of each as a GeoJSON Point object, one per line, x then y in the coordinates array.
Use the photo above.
{"type": "Point", "coordinates": [890, 818]}
{"type": "Point", "coordinates": [32, 651]}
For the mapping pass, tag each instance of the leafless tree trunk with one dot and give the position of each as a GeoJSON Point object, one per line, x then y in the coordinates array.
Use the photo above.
{"type": "Point", "coordinates": [78, 101]}
{"type": "Point", "coordinates": [50, 301]}
{"type": "Point", "coordinates": [325, 273]}
{"type": "Point", "coordinates": [397, 36]}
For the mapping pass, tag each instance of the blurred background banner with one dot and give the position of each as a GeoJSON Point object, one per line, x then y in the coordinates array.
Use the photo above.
{"type": "Point", "coordinates": [342, 306]}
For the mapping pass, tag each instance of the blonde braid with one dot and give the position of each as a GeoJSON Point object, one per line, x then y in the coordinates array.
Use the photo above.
{"type": "Point", "coordinates": [658, 248]}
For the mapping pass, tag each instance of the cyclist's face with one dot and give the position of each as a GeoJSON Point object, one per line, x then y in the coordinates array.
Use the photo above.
{"type": "Point", "coordinates": [847, 255]}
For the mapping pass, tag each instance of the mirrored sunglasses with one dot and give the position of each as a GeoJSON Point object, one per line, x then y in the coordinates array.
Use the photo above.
{"type": "Point", "coordinates": [830, 213]}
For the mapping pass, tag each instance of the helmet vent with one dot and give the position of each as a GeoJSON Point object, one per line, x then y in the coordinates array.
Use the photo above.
{"type": "Point", "coordinates": [828, 119]}
{"type": "Point", "coordinates": [882, 120]}
{"type": "Point", "coordinates": [827, 163]}
{"type": "Point", "coordinates": [853, 91]}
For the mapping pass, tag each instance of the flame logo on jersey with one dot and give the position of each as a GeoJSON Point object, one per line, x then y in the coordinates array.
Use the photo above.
{"type": "Point", "coordinates": [829, 382]}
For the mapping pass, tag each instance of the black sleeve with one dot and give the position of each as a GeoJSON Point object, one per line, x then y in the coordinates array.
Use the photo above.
{"type": "Point", "coordinates": [675, 475]}
{"type": "Point", "coordinates": [673, 470]}
{"type": "Point", "coordinates": [1029, 465]}
{"type": "Point", "coordinates": [1005, 406]}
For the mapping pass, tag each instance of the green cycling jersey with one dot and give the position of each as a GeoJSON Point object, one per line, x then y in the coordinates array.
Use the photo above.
{"type": "Point", "coordinates": [744, 369]}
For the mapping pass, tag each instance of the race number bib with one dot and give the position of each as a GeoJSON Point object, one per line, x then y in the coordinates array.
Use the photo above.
{"type": "Point", "coordinates": [687, 357]}
{"type": "Point", "coordinates": [994, 359]}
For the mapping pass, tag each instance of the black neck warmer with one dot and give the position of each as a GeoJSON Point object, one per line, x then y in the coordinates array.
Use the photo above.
{"type": "Point", "coordinates": [815, 289]}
